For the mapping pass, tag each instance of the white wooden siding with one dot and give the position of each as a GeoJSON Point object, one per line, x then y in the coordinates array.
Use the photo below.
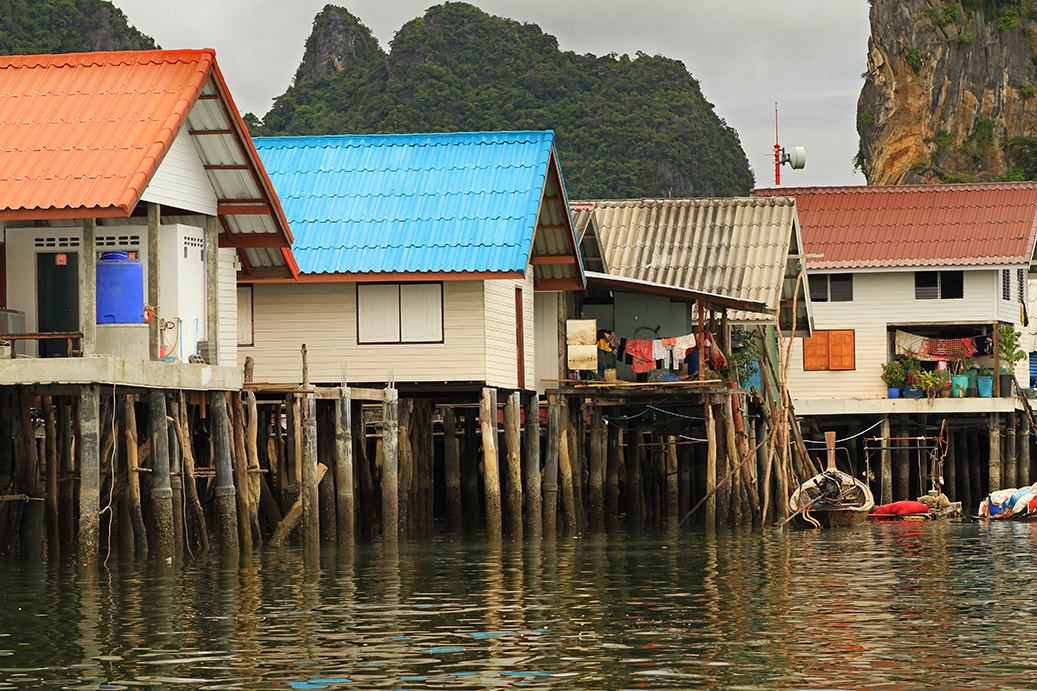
{"type": "Point", "coordinates": [378, 312]}
{"type": "Point", "coordinates": [227, 348]}
{"type": "Point", "coordinates": [881, 299]}
{"type": "Point", "coordinates": [501, 341]}
{"type": "Point", "coordinates": [323, 316]}
{"type": "Point", "coordinates": [421, 312]}
{"type": "Point", "coordinates": [546, 306]}
{"type": "Point", "coordinates": [181, 180]}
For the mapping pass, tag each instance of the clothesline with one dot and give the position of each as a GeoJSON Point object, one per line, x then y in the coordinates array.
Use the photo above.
{"type": "Point", "coordinates": [646, 354]}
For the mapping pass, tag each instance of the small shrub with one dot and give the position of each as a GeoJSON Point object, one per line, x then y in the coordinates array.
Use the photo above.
{"type": "Point", "coordinates": [966, 39]}
{"type": "Point", "coordinates": [914, 60]}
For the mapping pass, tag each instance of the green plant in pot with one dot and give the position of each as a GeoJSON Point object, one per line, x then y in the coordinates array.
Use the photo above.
{"type": "Point", "coordinates": [1010, 354]}
{"type": "Point", "coordinates": [934, 381]}
{"type": "Point", "coordinates": [960, 377]}
{"type": "Point", "coordinates": [893, 375]}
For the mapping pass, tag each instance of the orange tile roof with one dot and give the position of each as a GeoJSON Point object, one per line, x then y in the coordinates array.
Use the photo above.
{"type": "Point", "coordinates": [915, 225]}
{"type": "Point", "coordinates": [82, 134]}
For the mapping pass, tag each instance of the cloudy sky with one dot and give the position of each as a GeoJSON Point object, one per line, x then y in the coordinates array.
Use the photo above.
{"type": "Point", "coordinates": [805, 56]}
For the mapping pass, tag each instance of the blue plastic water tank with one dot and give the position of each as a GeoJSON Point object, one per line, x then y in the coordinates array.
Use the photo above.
{"type": "Point", "coordinates": [120, 289]}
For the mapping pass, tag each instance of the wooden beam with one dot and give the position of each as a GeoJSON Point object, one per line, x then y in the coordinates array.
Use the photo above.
{"type": "Point", "coordinates": [241, 240]}
{"type": "Point", "coordinates": [243, 210]}
{"type": "Point", "coordinates": [196, 132]}
{"type": "Point", "coordinates": [230, 166]}
{"type": "Point", "coordinates": [553, 259]}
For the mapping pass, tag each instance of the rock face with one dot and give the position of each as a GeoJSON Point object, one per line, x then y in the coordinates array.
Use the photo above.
{"type": "Point", "coordinates": [338, 40]}
{"type": "Point", "coordinates": [946, 89]}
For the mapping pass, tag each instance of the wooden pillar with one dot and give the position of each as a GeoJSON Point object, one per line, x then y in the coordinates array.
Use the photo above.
{"type": "Point", "coordinates": [671, 478]}
{"type": "Point", "coordinates": [226, 509]}
{"type": "Point", "coordinates": [1024, 449]}
{"type": "Point", "coordinates": [596, 469]}
{"type": "Point", "coordinates": [534, 500]}
{"type": "Point", "coordinates": [212, 287]}
{"type": "Point", "coordinates": [161, 491]}
{"type": "Point", "coordinates": [66, 494]}
{"type": "Point", "coordinates": [723, 489]}
{"type": "Point", "coordinates": [902, 474]}
{"type": "Point", "coordinates": [470, 499]}
{"type": "Point", "coordinates": [711, 466]}
{"type": "Point", "coordinates": [550, 479]}
{"type": "Point", "coordinates": [611, 473]}
{"type": "Point", "coordinates": [1011, 457]}
{"type": "Point", "coordinates": [632, 455]}
{"type": "Point", "coordinates": [89, 474]}
{"type": "Point", "coordinates": [513, 448]}
{"type": "Point", "coordinates": [975, 470]}
{"type": "Point", "coordinates": [565, 471]}
{"type": "Point", "coordinates": [885, 464]}
{"type": "Point", "coordinates": [51, 494]}
{"type": "Point", "coordinates": [994, 458]}
{"type": "Point", "coordinates": [88, 288]}
{"type": "Point", "coordinates": [390, 467]}
{"type": "Point", "coordinates": [345, 503]}
{"type": "Point", "coordinates": [451, 469]}
{"type": "Point", "coordinates": [140, 536]}
{"type": "Point", "coordinates": [764, 468]}
{"type": "Point", "coordinates": [950, 466]}
{"type": "Point", "coordinates": [310, 480]}
{"type": "Point", "coordinates": [236, 416]}
{"type": "Point", "coordinates": [406, 467]}
{"type": "Point", "coordinates": [491, 473]}
{"type": "Point", "coordinates": [154, 280]}
{"type": "Point", "coordinates": [176, 479]}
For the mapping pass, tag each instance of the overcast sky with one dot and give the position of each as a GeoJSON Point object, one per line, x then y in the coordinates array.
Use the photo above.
{"type": "Point", "coordinates": [806, 56]}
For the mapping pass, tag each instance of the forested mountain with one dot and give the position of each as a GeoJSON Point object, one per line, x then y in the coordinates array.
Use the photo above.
{"type": "Point", "coordinates": [65, 26]}
{"type": "Point", "coordinates": [625, 127]}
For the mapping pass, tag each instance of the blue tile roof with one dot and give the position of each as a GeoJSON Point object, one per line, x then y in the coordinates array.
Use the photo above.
{"type": "Point", "coordinates": [454, 202]}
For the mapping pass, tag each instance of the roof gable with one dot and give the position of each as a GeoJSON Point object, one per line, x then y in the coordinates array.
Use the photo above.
{"type": "Point", "coordinates": [365, 207]}
{"type": "Point", "coordinates": [915, 225]}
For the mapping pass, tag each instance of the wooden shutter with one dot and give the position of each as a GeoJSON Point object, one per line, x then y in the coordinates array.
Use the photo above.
{"type": "Point", "coordinates": [840, 350]}
{"type": "Point", "coordinates": [815, 352]}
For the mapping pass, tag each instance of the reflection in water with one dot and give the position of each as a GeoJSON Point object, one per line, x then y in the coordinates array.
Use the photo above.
{"type": "Point", "coordinates": [889, 606]}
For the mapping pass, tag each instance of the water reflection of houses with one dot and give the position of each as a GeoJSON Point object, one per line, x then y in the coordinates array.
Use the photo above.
{"type": "Point", "coordinates": [932, 274]}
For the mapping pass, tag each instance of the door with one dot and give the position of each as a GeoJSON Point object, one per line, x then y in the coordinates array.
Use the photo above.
{"type": "Point", "coordinates": [57, 299]}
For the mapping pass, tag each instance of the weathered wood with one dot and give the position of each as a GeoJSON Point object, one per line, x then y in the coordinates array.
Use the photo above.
{"type": "Point", "coordinates": [161, 489]}
{"type": "Point", "coordinates": [89, 474]}
{"type": "Point", "coordinates": [155, 286]}
{"type": "Point", "coordinates": [1011, 451]}
{"type": "Point", "coordinates": [732, 457]}
{"type": "Point", "coordinates": [226, 509]}
{"type": "Point", "coordinates": [596, 470]}
{"type": "Point", "coordinates": [902, 467]}
{"type": "Point", "coordinates": [470, 463]}
{"type": "Point", "coordinates": [533, 499]}
{"type": "Point", "coordinates": [512, 415]}
{"type": "Point", "coordinates": [1024, 450]}
{"type": "Point", "coordinates": [550, 476]}
{"type": "Point", "coordinates": [994, 458]}
{"type": "Point", "coordinates": [390, 479]}
{"type": "Point", "coordinates": [310, 479]}
{"type": "Point", "coordinates": [252, 463]}
{"type": "Point", "coordinates": [611, 473]}
{"type": "Point", "coordinates": [949, 481]}
{"type": "Point", "coordinates": [491, 471]}
{"type": "Point", "coordinates": [295, 514]}
{"type": "Point", "coordinates": [242, 495]}
{"type": "Point", "coordinates": [711, 467]}
{"type": "Point", "coordinates": [885, 464]}
{"type": "Point", "coordinates": [50, 426]}
{"type": "Point", "coordinates": [66, 496]}
{"type": "Point", "coordinates": [194, 515]}
{"type": "Point", "coordinates": [565, 471]}
{"type": "Point", "coordinates": [451, 469]}
{"type": "Point", "coordinates": [671, 478]}
{"type": "Point", "coordinates": [406, 466]}
{"type": "Point", "coordinates": [632, 456]}
{"type": "Point", "coordinates": [975, 483]}
{"type": "Point", "coordinates": [176, 477]}
{"type": "Point", "coordinates": [139, 534]}
{"type": "Point", "coordinates": [345, 502]}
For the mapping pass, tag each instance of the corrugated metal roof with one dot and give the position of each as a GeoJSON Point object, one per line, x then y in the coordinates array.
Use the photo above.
{"type": "Point", "coordinates": [81, 135]}
{"type": "Point", "coordinates": [737, 247]}
{"type": "Point", "coordinates": [916, 225]}
{"type": "Point", "coordinates": [423, 203]}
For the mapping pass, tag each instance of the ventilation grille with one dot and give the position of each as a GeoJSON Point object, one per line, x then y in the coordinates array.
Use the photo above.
{"type": "Point", "coordinates": [118, 241]}
{"type": "Point", "coordinates": [56, 242]}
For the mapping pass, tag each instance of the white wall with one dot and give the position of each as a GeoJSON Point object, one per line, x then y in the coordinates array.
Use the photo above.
{"type": "Point", "coordinates": [181, 181]}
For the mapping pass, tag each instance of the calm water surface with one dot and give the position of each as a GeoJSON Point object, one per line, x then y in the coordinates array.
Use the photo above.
{"type": "Point", "coordinates": [890, 606]}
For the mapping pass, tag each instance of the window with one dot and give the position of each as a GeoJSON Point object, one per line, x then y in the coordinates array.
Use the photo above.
{"type": "Point", "coordinates": [939, 285]}
{"type": "Point", "coordinates": [245, 332]}
{"type": "Point", "coordinates": [399, 312]}
{"type": "Point", "coordinates": [831, 287]}
{"type": "Point", "coordinates": [829, 350]}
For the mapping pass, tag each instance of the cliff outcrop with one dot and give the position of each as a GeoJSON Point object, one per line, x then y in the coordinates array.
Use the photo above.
{"type": "Point", "coordinates": [948, 92]}
{"type": "Point", "coordinates": [338, 41]}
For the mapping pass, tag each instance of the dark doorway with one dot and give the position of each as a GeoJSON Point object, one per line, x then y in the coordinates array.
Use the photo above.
{"type": "Point", "coordinates": [57, 299]}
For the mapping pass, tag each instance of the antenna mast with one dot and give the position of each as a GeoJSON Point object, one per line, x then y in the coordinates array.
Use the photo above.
{"type": "Point", "coordinates": [796, 157]}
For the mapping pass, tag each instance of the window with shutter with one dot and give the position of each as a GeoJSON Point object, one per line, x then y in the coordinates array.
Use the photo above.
{"type": "Point", "coordinates": [829, 351]}
{"type": "Point", "coordinates": [815, 352]}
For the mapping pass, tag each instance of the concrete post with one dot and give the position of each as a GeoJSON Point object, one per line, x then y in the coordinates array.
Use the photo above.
{"type": "Point", "coordinates": [89, 473]}
{"type": "Point", "coordinates": [88, 288]}
{"type": "Point", "coordinates": [212, 287]}
{"type": "Point", "coordinates": [154, 280]}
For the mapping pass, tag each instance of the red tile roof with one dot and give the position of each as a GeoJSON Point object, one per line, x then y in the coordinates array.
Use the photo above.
{"type": "Point", "coordinates": [82, 134]}
{"type": "Point", "coordinates": [915, 225]}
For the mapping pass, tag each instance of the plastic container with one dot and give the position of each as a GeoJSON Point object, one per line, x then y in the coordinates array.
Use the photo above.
{"type": "Point", "coordinates": [120, 289]}
{"type": "Point", "coordinates": [985, 386]}
{"type": "Point", "coordinates": [959, 383]}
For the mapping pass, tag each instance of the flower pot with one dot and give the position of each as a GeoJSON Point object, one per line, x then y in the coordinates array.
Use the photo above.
{"type": "Point", "coordinates": [913, 392]}
{"type": "Point", "coordinates": [972, 392]}
{"type": "Point", "coordinates": [945, 392]}
{"type": "Point", "coordinates": [959, 382]}
{"type": "Point", "coordinates": [985, 384]}
{"type": "Point", "coordinates": [893, 392]}
{"type": "Point", "coordinates": [1006, 385]}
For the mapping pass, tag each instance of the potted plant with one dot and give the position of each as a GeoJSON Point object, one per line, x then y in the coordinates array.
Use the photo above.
{"type": "Point", "coordinates": [893, 376]}
{"type": "Point", "coordinates": [1010, 354]}
{"type": "Point", "coordinates": [934, 382]}
{"type": "Point", "coordinates": [960, 377]}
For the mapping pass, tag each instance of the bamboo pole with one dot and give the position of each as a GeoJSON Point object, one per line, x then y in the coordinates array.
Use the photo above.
{"type": "Point", "coordinates": [491, 474]}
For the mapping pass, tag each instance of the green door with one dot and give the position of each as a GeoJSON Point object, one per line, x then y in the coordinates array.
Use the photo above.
{"type": "Point", "coordinates": [57, 299]}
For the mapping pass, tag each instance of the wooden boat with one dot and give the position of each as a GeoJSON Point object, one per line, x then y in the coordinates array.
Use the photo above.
{"type": "Point", "coordinates": [832, 498]}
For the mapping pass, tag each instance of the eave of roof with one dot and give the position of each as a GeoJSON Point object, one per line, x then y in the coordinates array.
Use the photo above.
{"type": "Point", "coordinates": [633, 285]}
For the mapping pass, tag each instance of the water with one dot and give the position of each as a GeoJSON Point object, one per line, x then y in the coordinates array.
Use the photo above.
{"type": "Point", "coordinates": [889, 606]}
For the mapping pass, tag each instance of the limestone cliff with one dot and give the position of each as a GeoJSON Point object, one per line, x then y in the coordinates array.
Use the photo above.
{"type": "Point", "coordinates": [338, 40]}
{"type": "Point", "coordinates": [946, 89]}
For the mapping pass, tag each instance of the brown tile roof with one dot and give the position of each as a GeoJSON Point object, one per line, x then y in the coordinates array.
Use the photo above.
{"type": "Point", "coordinates": [915, 225]}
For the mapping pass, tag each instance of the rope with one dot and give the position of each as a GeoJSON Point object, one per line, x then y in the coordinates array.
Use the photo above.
{"type": "Point", "coordinates": [838, 441]}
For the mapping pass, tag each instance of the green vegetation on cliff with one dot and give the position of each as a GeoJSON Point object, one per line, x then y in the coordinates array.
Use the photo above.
{"type": "Point", "coordinates": [625, 127]}
{"type": "Point", "coordinates": [29, 27]}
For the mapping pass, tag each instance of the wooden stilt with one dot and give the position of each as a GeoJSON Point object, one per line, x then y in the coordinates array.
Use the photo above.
{"type": "Point", "coordinates": [295, 514]}
{"type": "Point", "coordinates": [994, 458]}
{"type": "Point", "coordinates": [531, 469]}
{"type": "Point", "coordinates": [612, 463]}
{"type": "Point", "coordinates": [711, 466]}
{"type": "Point", "coordinates": [66, 496]}
{"type": "Point", "coordinates": [242, 496]}
{"type": "Point", "coordinates": [161, 490]}
{"type": "Point", "coordinates": [512, 417]}
{"type": "Point", "coordinates": [975, 485]}
{"type": "Point", "coordinates": [253, 477]}
{"type": "Point", "coordinates": [390, 468]}
{"type": "Point", "coordinates": [89, 474]}
{"type": "Point", "coordinates": [470, 497]}
{"type": "Point", "coordinates": [310, 480]}
{"type": "Point", "coordinates": [406, 465]}
{"type": "Point", "coordinates": [671, 479]}
{"type": "Point", "coordinates": [632, 456]}
{"type": "Point", "coordinates": [550, 477]}
{"type": "Point", "coordinates": [51, 431]}
{"type": "Point", "coordinates": [226, 510]}
{"type": "Point", "coordinates": [885, 464]}
{"type": "Point", "coordinates": [451, 469]}
{"type": "Point", "coordinates": [176, 478]}
{"type": "Point", "coordinates": [196, 532]}
{"type": "Point", "coordinates": [950, 466]}
{"type": "Point", "coordinates": [596, 470]}
{"type": "Point", "coordinates": [565, 471]}
{"type": "Point", "coordinates": [345, 503]}
{"type": "Point", "coordinates": [140, 538]}
{"type": "Point", "coordinates": [902, 469]}
{"type": "Point", "coordinates": [1011, 451]}
{"type": "Point", "coordinates": [491, 473]}
{"type": "Point", "coordinates": [1024, 450]}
